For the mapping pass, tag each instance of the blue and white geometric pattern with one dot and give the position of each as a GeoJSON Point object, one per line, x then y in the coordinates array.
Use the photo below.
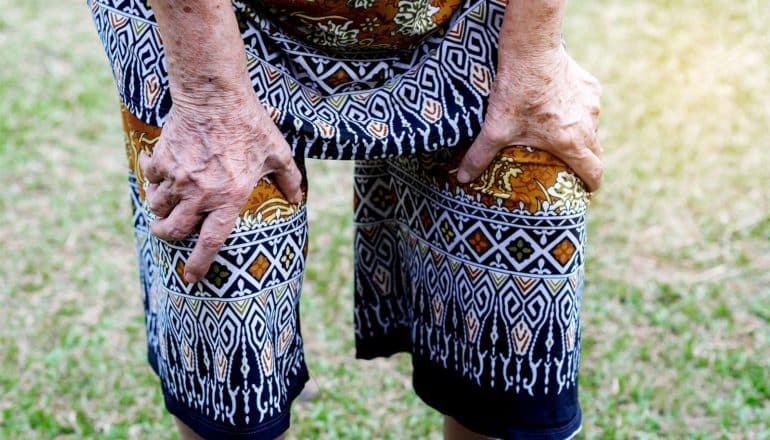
{"type": "Point", "coordinates": [227, 349]}
{"type": "Point", "coordinates": [501, 332]}
{"type": "Point", "coordinates": [423, 100]}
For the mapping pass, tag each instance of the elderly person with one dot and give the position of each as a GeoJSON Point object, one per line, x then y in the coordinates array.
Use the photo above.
{"type": "Point", "coordinates": [469, 124]}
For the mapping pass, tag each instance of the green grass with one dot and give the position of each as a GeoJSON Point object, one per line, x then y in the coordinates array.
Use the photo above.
{"type": "Point", "coordinates": [677, 305]}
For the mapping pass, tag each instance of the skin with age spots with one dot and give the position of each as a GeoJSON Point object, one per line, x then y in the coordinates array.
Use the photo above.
{"type": "Point", "coordinates": [540, 98]}
{"type": "Point", "coordinates": [218, 140]}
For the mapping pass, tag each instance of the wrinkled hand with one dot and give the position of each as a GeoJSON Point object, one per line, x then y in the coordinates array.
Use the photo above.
{"type": "Point", "coordinates": [548, 102]}
{"type": "Point", "coordinates": [204, 167]}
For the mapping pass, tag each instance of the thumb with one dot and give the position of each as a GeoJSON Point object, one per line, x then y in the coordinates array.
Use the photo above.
{"type": "Point", "coordinates": [477, 158]}
{"type": "Point", "coordinates": [288, 178]}
{"type": "Point", "coordinates": [214, 231]}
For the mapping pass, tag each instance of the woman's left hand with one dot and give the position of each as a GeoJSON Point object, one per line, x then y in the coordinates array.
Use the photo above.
{"type": "Point", "coordinates": [547, 102]}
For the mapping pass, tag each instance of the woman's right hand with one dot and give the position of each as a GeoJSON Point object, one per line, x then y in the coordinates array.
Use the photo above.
{"type": "Point", "coordinates": [206, 163]}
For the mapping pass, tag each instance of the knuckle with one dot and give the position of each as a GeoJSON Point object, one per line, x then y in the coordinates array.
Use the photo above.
{"type": "Point", "coordinates": [565, 140]}
{"type": "Point", "coordinates": [474, 161]}
{"type": "Point", "coordinates": [237, 194]}
{"type": "Point", "coordinates": [495, 135]}
{"type": "Point", "coordinates": [596, 173]}
{"type": "Point", "coordinates": [159, 229]}
{"type": "Point", "coordinates": [210, 242]}
{"type": "Point", "coordinates": [158, 157]}
{"type": "Point", "coordinates": [283, 159]}
{"type": "Point", "coordinates": [147, 166]}
{"type": "Point", "coordinates": [599, 150]}
{"type": "Point", "coordinates": [154, 203]}
{"type": "Point", "coordinates": [194, 270]}
{"type": "Point", "coordinates": [181, 177]}
{"type": "Point", "coordinates": [596, 102]}
{"type": "Point", "coordinates": [178, 232]}
{"type": "Point", "coordinates": [260, 137]}
{"type": "Point", "coordinates": [599, 169]}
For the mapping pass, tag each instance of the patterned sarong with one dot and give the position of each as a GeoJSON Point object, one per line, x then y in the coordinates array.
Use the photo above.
{"type": "Point", "coordinates": [481, 283]}
{"type": "Point", "coordinates": [429, 98]}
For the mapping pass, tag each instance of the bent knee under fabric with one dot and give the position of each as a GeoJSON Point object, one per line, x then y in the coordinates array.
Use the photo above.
{"type": "Point", "coordinates": [228, 349]}
{"type": "Point", "coordinates": [481, 282]}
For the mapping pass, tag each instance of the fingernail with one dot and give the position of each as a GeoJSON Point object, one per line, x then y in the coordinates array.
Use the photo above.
{"type": "Point", "coordinates": [191, 279]}
{"type": "Point", "coordinates": [463, 176]}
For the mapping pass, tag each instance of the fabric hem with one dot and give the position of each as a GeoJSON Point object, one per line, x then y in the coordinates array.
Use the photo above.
{"type": "Point", "coordinates": [153, 361]}
{"type": "Point", "coordinates": [207, 429]}
{"type": "Point", "coordinates": [397, 341]}
{"type": "Point", "coordinates": [428, 387]}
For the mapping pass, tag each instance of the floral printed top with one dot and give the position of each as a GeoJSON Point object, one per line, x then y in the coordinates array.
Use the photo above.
{"type": "Point", "coordinates": [360, 25]}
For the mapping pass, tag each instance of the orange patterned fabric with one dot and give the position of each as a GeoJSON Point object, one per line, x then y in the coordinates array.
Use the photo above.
{"type": "Point", "coordinates": [265, 200]}
{"type": "Point", "coordinates": [519, 178]}
{"type": "Point", "coordinates": [481, 283]}
{"type": "Point", "coordinates": [342, 25]}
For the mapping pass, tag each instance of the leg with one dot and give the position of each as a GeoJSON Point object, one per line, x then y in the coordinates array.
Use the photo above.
{"type": "Point", "coordinates": [228, 349]}
{"type": "Point", "coordinates": [492, 275]}
{"type": "Point", "coordinates": [185, 432]}
{"type": "Point", "coordinates": [453, 430]}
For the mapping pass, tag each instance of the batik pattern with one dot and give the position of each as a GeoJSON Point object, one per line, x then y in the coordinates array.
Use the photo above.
{"type": "Point", "coordinates": [482, 280]}
{"type": "Point", "coordinates": [334, 107]}
{"type": "Point", "coordinates": [228, 348]}
{"type": "Point", "coordinates": [360, 26]}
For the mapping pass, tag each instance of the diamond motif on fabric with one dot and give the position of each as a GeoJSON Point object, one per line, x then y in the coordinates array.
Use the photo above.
{"type": "Point", "coordinates": [520, 250]}
{"type": "Point", "coordinates": [179, 268]}
{"type": "Point", "coordinates": [218, 275]}
{"type": "Point", "coordinates": [563, 251]}
{"type": "Point", "coordinates": [447, 232]}
{"type": "Point", "coordinates": [258, 268]}
{"type": "Point", "coordinates": [479, 242]}
{"type": "Point", "coordinates": [427, 222]}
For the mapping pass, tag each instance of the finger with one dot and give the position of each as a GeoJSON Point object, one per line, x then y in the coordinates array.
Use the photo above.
{"type": "Point", "coordinates": [584, 163]}
{"type": "Point", "coordinates": [162, 200]}
{"type": "Point", "coordinates": [151, 188]}
{"type": "Point", "coordinates": [477, 158]}
{"type": "Point", "coordinates": [179, 224]}
{"type": "Point", "coordinates": [149, 168]}
{"type": "Point", "coordinates": [288, 178]}
{"type": "Point", "coordinates": [592, 140]}
{"type": "Point", "coordinates": [214, 231]}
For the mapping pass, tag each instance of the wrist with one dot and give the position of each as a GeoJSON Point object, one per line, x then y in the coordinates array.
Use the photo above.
{"type": "Point", "coordinates": [214, 90]}
{"type": "Point", "coordinates": [529, 65]}
{"type": "Point", "coordinates": [535, 50]}
{"type": "Point", "coordinates": [532, 29]}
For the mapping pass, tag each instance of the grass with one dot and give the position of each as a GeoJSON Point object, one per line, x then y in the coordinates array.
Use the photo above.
{"type": "Point", "coordinates": [677, 307]}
